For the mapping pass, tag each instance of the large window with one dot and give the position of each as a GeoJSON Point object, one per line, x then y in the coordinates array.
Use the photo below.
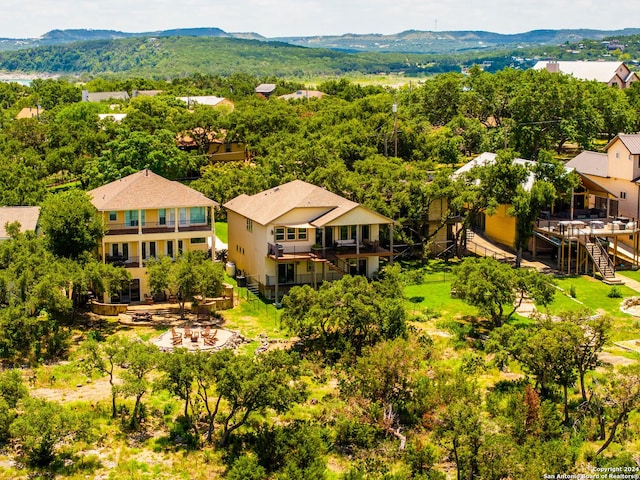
{"type": "Point", "coordinates": [286, 272]}
{"type": "Point", "coordinates": [162, 216]}
{"type": "Point", "coordinates": [113, 216]}
{"type": "Point", "coordinates": [279, 234]}
{"type": "Point", "coordinates": [291, 233]}
{"type": "Point", "coordinates": [131, 218]}
{"type": "Point", "coordinates": [198, 215]}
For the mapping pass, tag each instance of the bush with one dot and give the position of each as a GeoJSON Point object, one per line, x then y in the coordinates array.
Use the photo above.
{"type": "Point", "coordinates": [572, 291]}
{"type": "Point", "coordinates": [614, 292]}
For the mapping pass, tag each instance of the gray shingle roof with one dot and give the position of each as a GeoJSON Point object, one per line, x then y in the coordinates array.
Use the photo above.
{"type": "Point", "coordinates": [590, 163]}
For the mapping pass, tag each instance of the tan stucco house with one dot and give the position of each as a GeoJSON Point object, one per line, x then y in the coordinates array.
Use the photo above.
{"type": "Point", "coordinates": [617, 170]}
{"type": "Point", "coordinates": [147, 216]}
{"type": "Point", "coordinates": [299, 233]}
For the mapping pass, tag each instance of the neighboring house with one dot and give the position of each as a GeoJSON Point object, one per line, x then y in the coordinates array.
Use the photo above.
{"type": "Point", "coordinates": [208, 100]}
{"type": "Point", "coordinates": [303, 94]}
{"type": "Point", "coordinates": [28, 217]}
{"type": "Point", "coordinates": [580, 234]}
{"type": "Point", "coordinates": [298, 233]}
{"type": "Point", "coordinates": [145, 93]}
{"type": "Point", "coordinates": [115, 117]}
{"type": "Point", "coordinates": [147, 216]}
{"type": "Point", "coordinates": [614, 74]}
{"type": "Point", "coordinates": [617, 170]}
{"type": "Point", "coordinates": [30, 112]}
{"type": "Point", "coordinates": [218, 148]}
{"type": "Point", "coordinates": [266, 89]}
{"type": "Point", "coordinates": [501, 227]}
{"type": "Point", "coordinates": [88, 96]}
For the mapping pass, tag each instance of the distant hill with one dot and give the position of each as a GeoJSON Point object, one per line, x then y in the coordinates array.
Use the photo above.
{"type": "Point", "coordinates": [410, 41]}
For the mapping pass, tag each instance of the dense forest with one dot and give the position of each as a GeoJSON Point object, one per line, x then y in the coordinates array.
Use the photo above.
{"type": "Point", "coordinates": [162, 57]}
{"type": "Point", "coordinates": [385, 379]}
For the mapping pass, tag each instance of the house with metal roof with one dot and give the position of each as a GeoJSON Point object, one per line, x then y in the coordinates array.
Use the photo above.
{"type": "Point", "coordinates": [299, 233]}
{"type": "Point", "coordinates": [614, 74]}
{"type": "Point", "coordinates": [618, 171]}
{"type": "Point", "coordinates": [266, 89]}
{"type": "Point", "coordinates": [149, 216]}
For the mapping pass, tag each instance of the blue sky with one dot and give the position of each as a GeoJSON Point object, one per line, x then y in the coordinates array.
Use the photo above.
{"type": "Point", "coordinates": [273, 18]}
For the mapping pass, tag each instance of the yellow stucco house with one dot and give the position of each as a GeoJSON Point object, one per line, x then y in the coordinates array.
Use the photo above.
{"type": "Point", "coordinates": [147, 216]}
{"type": "Point", "coordinates": [299, 233]}
{"type": "Point", "coordinates": [500, 227]}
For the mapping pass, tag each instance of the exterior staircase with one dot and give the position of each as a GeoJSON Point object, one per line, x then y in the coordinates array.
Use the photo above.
{"type": "Point", "coordinates": [601, 260]}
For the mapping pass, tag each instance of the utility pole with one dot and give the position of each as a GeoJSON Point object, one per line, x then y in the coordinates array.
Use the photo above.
{"type": "Point", "coordinates": [394, 109]}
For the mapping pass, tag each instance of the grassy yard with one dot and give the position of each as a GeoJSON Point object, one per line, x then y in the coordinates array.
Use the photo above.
{"type": "Point", "coordinates": [222, 231]}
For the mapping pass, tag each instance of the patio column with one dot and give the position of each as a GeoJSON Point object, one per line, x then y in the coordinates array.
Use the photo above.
{"type": "Point", "coordinates": [572, 202]}
{"type": "Point", "coordinates": [139, 223]}
{"type": "Point", "coordinates": [176, 220]}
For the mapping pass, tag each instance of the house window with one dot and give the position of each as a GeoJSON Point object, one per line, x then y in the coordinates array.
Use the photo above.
{"type": "Point", "coordinates": [182, 215]}
{"type": "Point", "coordinates": [114, 249]}
{"type": "Point", "coordinates": [623, 195]}
{"type": "Point", "coordinates": [617, 154]}
{"type": "Point", "coordinates": [365, 232]}
{"type": "Point", "coordinates": [162, 216]}
{"type": "Point", "coordinates": [195, 241]}
{"type": "Point", "coordinates": [344, 232]}
{"type": "Point", "coordinates": [249, 225]}
{"type": "Point", "coordinates": [131, 218]}
{"type": "Point", "coordinates": [113, 216]}
{"type": "Point", "coordinates": [279, 234]}
{"type": "Point", "coordinates": [180, 247]}
{"type": "Point", "coordinates": [227, 148]}
{"type": "Point", "coordinates": [169, 248]}
{"type": "Point", "coordinates": [198, 215]}
{"type": "Point", "coordinates": [302, 234]}
{"type": "Point", "coordinates": [291, 233]}
{"type": "Point", "coordinates": [285, 273]}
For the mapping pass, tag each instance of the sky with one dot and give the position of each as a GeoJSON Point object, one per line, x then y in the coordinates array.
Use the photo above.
{"type": "Point", "coordinates": [280, 18]}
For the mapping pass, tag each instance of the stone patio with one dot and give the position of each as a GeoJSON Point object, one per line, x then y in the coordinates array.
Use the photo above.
{"type": "Point", "coordinates": [224, 339]}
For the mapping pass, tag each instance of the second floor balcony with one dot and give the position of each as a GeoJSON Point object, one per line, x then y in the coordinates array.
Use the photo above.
{"type": "Point", "coordinates": [154, 227]}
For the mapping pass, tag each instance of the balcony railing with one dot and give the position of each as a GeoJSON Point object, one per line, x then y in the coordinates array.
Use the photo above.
{"type": "Point", "coordinates": [156, 227]}
{"type": "Point", "coordinates": [122, 261]}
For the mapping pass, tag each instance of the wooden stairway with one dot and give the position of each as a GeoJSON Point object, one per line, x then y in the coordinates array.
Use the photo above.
{"type": "Point", "coordinates": [601, 260]}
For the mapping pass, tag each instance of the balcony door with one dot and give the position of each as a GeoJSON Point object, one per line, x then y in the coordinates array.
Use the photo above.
{"type": "Point", "coordinates": [286, 273]}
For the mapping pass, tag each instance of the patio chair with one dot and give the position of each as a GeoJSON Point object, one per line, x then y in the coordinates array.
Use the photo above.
{"type": "Point", "coordinates": [210, 340]}
{"type": "Point", "coordinates": [175, 341]}
{"type": "Point", "coordinates": [207, 331]}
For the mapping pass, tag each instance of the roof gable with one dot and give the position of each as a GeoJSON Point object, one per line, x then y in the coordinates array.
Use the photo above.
{"type": "Point", "coordinates": [630, 141]}
{"type": "Point", "coordinates": [146, 190]}
{"type": "Point", "coordinates": [268, 206]}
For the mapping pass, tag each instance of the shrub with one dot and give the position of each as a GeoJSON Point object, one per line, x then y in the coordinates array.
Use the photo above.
{"type": "Point", "coordinates": [614, 292]}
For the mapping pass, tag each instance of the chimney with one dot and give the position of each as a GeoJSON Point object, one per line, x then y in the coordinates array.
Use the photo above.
{"type": "Point", "coordinates": [553, 67]}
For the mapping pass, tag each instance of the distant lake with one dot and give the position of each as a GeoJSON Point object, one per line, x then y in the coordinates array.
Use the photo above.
{"type": "Point", "coordinates": [21, 81]}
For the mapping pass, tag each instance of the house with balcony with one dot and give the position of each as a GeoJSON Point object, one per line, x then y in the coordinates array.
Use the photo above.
{"type": "Point", "coordinates": [147, 216]}
{"type": "Point", "coordinates": [299, 233]}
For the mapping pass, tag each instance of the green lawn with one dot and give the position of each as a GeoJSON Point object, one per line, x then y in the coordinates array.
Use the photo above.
{"type": "Point", "coordinates": [434, 295]}
{"type": "Point", "coordinates": [222, 231]}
